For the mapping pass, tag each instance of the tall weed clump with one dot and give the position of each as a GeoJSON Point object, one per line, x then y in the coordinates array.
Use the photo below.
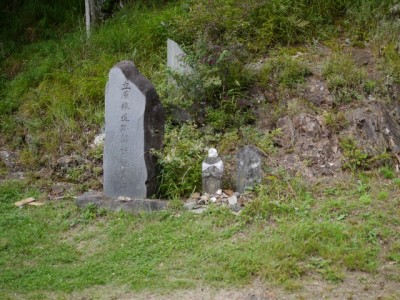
{"type": "Point", "coordinates": [53, 97]}
{"type": "Point", "coordinates": [344, 78]}
{"type": "Point", "coordinates": [180, 161]}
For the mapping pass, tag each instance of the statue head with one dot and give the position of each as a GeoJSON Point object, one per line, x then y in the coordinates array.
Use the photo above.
{"type": "Point", "coordinates": [212, 152]}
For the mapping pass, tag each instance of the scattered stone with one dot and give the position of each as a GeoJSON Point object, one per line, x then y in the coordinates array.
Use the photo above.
{"type": "Point", "coordinates": [213, 199]}
{"type": "Point", "coordinates": [237, 194]}
{"type": "Point", "coordinates": [98, 140]}
{"type": "Point", "coordinates": [189, 205]}
{"type": "Point", "coordinates": [199, 210]}
{"type": "Point", "coordinates": [195, 196]}
{"type": "Point", "coordinates": [123, 198]}
{"type": "Point", "coordinates": [203, 199]}
{"type": "Point", "coordinates": [249, 168]}
{"type": "Point", "coordinates": [236, 208]}
{"type": "Point", "coordinates": [24, 201]}
{"type": "Point", "coordinates": [232, 200]}
{"type": "Point", "coordinates": [219, 192]}
{"type": "Point", "coordinates": [212, 170]}
{"type": "Point", "coordinates": [228, 192]}
{"type": "Point", "coordinates": [134, 128]}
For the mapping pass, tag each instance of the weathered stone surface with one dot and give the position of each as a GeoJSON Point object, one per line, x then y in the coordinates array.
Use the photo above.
{"type": "Point", "coordinates": [249, 168]}
{"type": "Point", "coordinates": [308, 147]}
{"type": "Point", "coordinates": [175, 58]}
{"type": "Point", "coordinates": [134, 128]}
{"type": "Point", "coordinates": [117, 204]}
{"type": "Point", "coordinates": [189, 205]}
{"type": "Point", "coordinates": [232, 200]}
{"type": "Point", "coordinates": [179, 115]}
{"type": "Point", "coordinates": [212, 170]}
{"type": "Point", "coordinates": [375, 128]}
{"type": "Point", "coordinates": [316, 91]}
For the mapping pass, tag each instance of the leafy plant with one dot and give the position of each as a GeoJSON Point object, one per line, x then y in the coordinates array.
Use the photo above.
{"type": "Point", "coordinates": [284, 71]}
{"type": "Point", "coordinates": [344, 78]}
{"type": "Point", "coordinates": [180, 161]}
{"type": "Point", "coordinates": [354, 157]}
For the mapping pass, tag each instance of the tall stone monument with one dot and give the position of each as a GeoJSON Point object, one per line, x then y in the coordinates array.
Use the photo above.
{"type": "Point", "coordinates": [248, 168]}
{"type": "Point", "coordinates": [212, 169]}
{"type": "Point", "coordinates": [134, 120]}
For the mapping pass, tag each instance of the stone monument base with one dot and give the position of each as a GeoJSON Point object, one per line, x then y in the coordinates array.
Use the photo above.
{"type": "Point", "coordinates": [120, 203]}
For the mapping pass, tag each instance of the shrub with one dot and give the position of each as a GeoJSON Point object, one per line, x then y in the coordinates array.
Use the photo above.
{"type": "Point", "coordinates": [284, 71]}
{"type": "Point", "coordinates": [180, 161]}
{"type": "Point", "coordinates": [344, 78]}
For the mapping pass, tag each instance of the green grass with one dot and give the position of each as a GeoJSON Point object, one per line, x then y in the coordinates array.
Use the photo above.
{"type": "Point", "coordinates": [288, 232]}
{"type": "Point", "coordinates": [52, 104]}
{"type": "Point", "coordinates": [345, 80]}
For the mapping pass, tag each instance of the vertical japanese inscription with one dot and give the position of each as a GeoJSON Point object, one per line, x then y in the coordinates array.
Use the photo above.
{"type": "Point", "coordinates": [123, 163]}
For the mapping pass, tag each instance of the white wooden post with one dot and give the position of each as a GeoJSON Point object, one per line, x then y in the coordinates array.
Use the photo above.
{"type": "Point", "coordinates": [87, 17]}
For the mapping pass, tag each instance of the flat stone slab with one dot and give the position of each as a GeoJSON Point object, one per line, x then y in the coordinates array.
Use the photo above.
{"type": "Point", "coordinates": [120, 203]}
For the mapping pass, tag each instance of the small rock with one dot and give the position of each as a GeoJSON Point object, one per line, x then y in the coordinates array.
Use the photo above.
{"type": "Point", "coordinates": [228, 192]}
{"type": "Point", "coordinates": [123, 198]}
{"type": "Point", "coordinates": [205, 197]}
{"type": "Point", "coordinates": [237, 194]}
{"type": "Point", "coordinates": [232, 200]}
{"type": "Point", "coordinates": [219, 192]}
{"type": "Point", "coordinates": [199, 210]}
{"type": "Point", "coordinates": [203, 200]}
{"type": "Point", "coordinates": [65, 161]}
{"type": "Point", "coordinates": [99, 140]}
{"type": "Point", "coordinates": [189, 205]}
{"type": "Point", "coordinates": [236, 208]}
{"type": "Point", "coordinates": [213, 199]}
{"type": "Point", "coordinates": [195, 196]}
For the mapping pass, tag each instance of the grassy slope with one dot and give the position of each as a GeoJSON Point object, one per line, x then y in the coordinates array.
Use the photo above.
{"type": "Point", "coordinates": [52, 92]}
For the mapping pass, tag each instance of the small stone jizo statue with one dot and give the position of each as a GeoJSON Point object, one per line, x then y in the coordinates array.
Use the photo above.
{"type": "Point", "coordinates": [212, 170]}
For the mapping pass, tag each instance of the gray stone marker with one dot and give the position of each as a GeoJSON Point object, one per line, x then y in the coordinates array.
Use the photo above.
{"type": "Point", "coordinates": [134, 120]}
{"type": "Point", "coordinates": [248, 168]}
{"type": "Point", "coordinates": [212, 170]}
{"type": "Point", "coordinates": [175, 56]}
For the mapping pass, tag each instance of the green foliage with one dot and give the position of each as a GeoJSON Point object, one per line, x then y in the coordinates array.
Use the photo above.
{"type": "Point", "coordinates": [263, 140]}
{"type": "Point", "coordinates": [57, 94]}
{"type": "Point", "coordinates": [180, 162]}
{"type": "Point", "coordinates": [336, 121]}
{"type": "Point", "coordinates": [257, 25]}
{"type": "Point", "coordinates": [344, 78]}
{"type": "Point", "coordinates": [27, 21]}
{"type": "Point", "coordinates": [354, 157]}
{"type": "Point", "coordinates": [284, 71]}
{"type": "Point", "coordinates": [387, 172]}
{"type": "Point", "coordinates": [213, 92]}
{"type": "Point", "coordinates": [391, 62]}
